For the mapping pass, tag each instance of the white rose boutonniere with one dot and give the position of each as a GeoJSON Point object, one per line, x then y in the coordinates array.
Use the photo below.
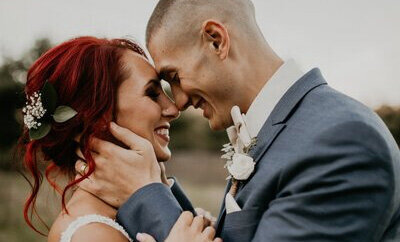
{"type": "Point", "coordinates": [241, 167]}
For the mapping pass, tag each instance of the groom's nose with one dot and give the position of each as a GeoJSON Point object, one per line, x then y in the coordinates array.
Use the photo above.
{"type": "Point", "coordinates": [182, 100]}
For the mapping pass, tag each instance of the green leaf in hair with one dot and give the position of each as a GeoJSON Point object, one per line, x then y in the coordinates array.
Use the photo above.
{"type": "Point", "coordinates": [63, 114]}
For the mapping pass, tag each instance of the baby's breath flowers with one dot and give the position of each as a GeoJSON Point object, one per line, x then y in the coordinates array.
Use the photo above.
{"type": "Point", "coordinates": [39, 109]}
{"type": "Point", "coordinates": [33, 111]}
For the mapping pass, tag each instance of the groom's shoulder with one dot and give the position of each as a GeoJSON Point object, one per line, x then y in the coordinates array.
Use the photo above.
{"type": "Point", "coordinates": [328, 116]}
{"type": "Point", "coordinates": [332, 108]}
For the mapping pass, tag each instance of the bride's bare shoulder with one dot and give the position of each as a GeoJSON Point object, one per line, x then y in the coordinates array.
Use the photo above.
{"type": "Point", "coordinates": [82, 204]}
{"type": "Point", "coordinates": [60, 225]}
{"type": "Point", "coordinates": [91, 232]}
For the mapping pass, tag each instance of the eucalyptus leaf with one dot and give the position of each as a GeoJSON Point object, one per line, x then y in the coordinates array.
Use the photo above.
{"type": "Point", "coordinates": [49, 97]}
{"type": "Point", "coordinates": [63, 114]}
{"type": "Point", "coordinates": [40, 132]}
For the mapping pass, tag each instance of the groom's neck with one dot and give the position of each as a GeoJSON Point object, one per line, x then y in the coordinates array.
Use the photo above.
{"type": "Point", "coordinates": [261, 66]}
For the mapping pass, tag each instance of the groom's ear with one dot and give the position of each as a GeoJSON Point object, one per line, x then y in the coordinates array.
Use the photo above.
{"type": "Point", "coordinates": [215, 35]}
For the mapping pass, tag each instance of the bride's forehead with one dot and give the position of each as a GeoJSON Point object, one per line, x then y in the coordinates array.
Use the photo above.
{"type": "Point", "coordinates": [136, 63]}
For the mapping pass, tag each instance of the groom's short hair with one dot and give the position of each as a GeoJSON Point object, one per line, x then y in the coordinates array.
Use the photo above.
{"type": "Point", "coordinates": [166, 11]}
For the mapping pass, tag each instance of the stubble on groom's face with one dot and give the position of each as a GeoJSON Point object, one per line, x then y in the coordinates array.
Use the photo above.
{"type": "Point", "coordinates": [197, 78]}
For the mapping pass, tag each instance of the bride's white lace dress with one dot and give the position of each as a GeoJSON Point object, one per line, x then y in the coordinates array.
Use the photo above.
{"type": "Point", "coordinates": [66, 236]}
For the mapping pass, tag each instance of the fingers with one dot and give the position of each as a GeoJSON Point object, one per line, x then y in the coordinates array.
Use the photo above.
{"type": "Point", "coordinates": [142, 237]}
{"type": "Point", "coordinates": [207, 222]}
{"type": "Point", "coordinates": [217, 240]}
{"type": "Point", "coordinates": [79, 153]}
{"type": "Point", "coordinates": [208, 218]}
{"type": "Point", "coordinates": [209, 233]}
{"type": "Point", "coordinates": [78, 138]}
{"type": "Point", "coordinates": [87, 185]}
{"type": "Point", "coordinates": [198, 223]}
{"type": "Point", "coordinates": [81, 167]}
{"type": "Point", "coordinates": [107, 149]}
{"type": "Point", "coordinates": [185, 219]}
{"type": "Point", "coordinates": [100, 146]}
{"type": "Point", "coordinates": [127, 137]}
{"type": "Point", "coordinates": [200, 211]}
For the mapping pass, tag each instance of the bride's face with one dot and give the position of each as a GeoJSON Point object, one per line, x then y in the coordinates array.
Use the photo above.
{"type": "Point", "coordinates": [142, 106]}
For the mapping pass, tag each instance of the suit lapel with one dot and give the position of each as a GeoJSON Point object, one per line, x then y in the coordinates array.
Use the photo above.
{"type": "Point", "coordinates": [276, 122]}
{"type": "Point", "coordinates": [272, 131]}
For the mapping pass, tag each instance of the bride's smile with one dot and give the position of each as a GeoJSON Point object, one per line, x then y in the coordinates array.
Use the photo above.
{"type": "Point", "coordinates": [142, 105]}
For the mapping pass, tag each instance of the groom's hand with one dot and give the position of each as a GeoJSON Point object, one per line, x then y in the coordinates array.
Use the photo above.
{"type": "Point", "coordinates": [120, 172]}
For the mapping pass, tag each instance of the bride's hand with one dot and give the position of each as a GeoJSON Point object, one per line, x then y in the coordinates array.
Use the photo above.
{"type": "Point", "coordinates": [185, 229]}
{"type": "Point", "coordinates": [120, 172]}
{"type": "Point", "coordinates": [209, 220]}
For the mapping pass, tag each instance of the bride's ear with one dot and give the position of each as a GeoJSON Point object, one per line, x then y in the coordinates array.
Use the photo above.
{"type": "Point", "coordinates": [216, 37]}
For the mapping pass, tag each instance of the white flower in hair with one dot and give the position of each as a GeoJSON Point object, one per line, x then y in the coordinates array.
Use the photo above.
{"type": "Point", "coordinates": [34, 111]}
{"type": "Point", "coordinates": [40, 108]}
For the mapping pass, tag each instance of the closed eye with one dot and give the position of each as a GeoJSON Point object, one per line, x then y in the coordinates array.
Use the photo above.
{"type": "Point", "coordinates": [175, 78]}
{"type": "Point", "coordinates": [154, 90]}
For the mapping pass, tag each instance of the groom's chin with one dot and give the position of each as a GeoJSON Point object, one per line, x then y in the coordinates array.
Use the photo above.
{"type": "Point", "coordinates": [217, 125]}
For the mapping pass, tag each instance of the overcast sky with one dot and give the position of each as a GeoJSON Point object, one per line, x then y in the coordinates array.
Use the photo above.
{"type": "Point", "coordinates": [356, 43]}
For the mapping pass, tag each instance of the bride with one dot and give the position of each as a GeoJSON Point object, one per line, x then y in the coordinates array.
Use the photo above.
{"type": "Point", "coordinates": [78, 88]}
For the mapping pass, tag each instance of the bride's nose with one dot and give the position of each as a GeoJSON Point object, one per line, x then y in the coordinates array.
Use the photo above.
{"type": "Point", "coordinates": [170, 110]}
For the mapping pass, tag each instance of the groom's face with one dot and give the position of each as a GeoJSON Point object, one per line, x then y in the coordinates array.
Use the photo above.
{"type": "Point", "coordinates": [197, 79]}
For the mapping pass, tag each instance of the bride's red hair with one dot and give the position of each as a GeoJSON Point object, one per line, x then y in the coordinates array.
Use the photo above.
{"type": "Point", "coordinates": [86, 73]}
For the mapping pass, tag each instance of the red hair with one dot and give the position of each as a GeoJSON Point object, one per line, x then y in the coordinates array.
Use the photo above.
{"type": "Point", "coordinates": [86, 73]}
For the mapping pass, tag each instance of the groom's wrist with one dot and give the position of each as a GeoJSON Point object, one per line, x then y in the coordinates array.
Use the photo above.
{"type": "Point", "coordinates": [147, 207]}
{"type": "Point", "coordinates": [146, 190]}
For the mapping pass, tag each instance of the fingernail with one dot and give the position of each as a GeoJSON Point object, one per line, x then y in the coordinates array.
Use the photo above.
{"type": "Point", "coordinates": [139, 236]}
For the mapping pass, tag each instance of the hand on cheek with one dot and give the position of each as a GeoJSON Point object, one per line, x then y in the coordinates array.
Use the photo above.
{"type": "Point", "coordinates": [120, 172]}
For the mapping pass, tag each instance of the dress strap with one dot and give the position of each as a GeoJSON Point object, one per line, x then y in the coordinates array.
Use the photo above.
{"type": "Point", "coordinates": [66, 236]}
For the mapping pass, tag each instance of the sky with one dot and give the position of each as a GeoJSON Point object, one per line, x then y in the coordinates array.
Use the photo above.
{"type": "Point", "coordinates": [355, 43]}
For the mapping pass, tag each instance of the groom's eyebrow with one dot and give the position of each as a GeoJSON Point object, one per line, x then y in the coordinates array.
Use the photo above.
{"type": "Point", "coordinates": [153, 82]}
{"type": "Point", "coordinates": [164, 72]}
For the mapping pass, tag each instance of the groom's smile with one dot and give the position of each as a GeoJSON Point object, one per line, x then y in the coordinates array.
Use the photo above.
{"type": "Point", "coordinates": [202, 104]}
{"type": "Point", "coordinates": [197, 78]}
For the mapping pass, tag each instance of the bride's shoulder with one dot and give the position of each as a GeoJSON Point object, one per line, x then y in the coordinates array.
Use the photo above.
{"type": "Point", "coordinates": [85, 229]}
{"type": "Point", "coordinates": [80, 208]}
{"type": "Point", "coordinates": [59, 226]}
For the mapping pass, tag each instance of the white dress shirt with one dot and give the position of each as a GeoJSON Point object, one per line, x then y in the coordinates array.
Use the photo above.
{"type": "Point", "coordinates": [269, 96]}
{"type": "Point", "coordinates": [258, 113]}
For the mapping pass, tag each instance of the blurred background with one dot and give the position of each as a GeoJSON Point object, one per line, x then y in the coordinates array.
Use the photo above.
{"type": "Point", "coordinates": [354, 42]}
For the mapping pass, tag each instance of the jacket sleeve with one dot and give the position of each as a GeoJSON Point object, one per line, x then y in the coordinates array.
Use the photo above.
{"type": "Point", "coordinates": [153, 209]}
{"type": "Point", "coordinates": [343, 191]}
{"type": "Point", "coordinates": [181, 197]}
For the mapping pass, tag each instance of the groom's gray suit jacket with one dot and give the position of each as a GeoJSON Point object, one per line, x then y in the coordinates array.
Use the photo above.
{"type": "Point", "coordinates": [327, 170]}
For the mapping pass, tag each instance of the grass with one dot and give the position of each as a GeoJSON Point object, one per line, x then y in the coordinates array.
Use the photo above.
{"type": "Point", "coordinates": [201, 174]}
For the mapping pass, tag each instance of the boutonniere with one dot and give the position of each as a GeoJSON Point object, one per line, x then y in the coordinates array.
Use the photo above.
{"type": "Point", "coordinates": [239, 164]}
{"type": "Point", "coordinates": [41, 110]}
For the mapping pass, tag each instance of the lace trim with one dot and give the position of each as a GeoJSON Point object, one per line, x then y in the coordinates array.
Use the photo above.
{"type": "Point", "coordinates": [66, 236]}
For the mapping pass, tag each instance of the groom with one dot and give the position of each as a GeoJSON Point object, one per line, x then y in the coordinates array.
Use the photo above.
{"type": "Point", "coordinates": [326, 167]}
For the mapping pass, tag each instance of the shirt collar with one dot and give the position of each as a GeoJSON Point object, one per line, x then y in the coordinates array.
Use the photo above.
{"type": "Point", "coordinates": [270, 94]}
